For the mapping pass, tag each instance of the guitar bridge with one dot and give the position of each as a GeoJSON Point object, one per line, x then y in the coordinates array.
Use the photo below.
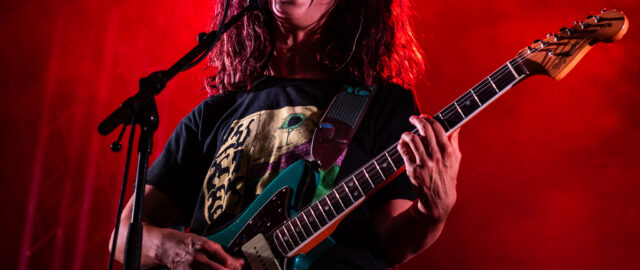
{"type": "Point", "coordinates": [259, 254]}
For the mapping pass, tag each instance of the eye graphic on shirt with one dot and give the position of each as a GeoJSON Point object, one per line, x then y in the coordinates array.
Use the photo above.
{"type": "Point", "coordinates": [292, 122]}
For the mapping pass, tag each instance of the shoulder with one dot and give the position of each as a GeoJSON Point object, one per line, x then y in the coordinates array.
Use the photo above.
{"type": "Point", "coordinates": [392, 98]}
{"type": "Point", "coordinates": [395, 92]}
{"type": "Point", "coordinates": [212, 106]}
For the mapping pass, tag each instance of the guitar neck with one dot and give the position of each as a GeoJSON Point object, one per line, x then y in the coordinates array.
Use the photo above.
{"type": "Point", "coordinates": [479, 96]}
{"type": "Point", "coordinates": [349, 193]}
{"type": "Point", "coordinates": [554, 56]}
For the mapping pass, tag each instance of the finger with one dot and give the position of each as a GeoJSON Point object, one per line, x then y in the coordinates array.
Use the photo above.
{"type": "Point", "coordinates": [408, 157]}
{"type": "Point", "coordinates": [216, 252]}
{"type": "Point", "coordinates": [420, 124]}
{"type": "Point", "coordinates": [440, 134]}
{"type": "Point", "coordinates": [423, 129]}
{"type": "Point", "coordinates": [417, 147]}
{"type": "Point", "coordinates": [405, 152]}
{"type": "Point", "coordinates": [433, 150]}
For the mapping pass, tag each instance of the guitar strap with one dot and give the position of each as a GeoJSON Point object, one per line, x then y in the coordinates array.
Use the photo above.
{"type": "Point", "coordinates": [338, 124]}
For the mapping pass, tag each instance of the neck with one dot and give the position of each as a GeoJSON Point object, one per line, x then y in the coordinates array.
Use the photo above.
{"type": "Point", "coordinates": [295, 54]}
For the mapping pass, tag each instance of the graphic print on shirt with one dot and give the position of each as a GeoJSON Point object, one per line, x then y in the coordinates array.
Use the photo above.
{"type": "Point", "coordinates": [255, 149]}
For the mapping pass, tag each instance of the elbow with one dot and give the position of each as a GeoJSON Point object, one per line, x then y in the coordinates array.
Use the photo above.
{"type": "Point", "coordinates": [118, 250]}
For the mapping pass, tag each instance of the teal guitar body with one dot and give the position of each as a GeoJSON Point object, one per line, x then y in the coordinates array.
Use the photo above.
{"type": "Point", "coordinates": [275, 205]}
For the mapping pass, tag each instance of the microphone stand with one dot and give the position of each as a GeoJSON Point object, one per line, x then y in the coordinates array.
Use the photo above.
{"type": "Point", "coordinates": [140, 109]}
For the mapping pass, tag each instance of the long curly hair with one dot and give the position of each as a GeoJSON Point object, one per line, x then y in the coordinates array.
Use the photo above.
{"type": "Point", "coordinates": [385, 49]}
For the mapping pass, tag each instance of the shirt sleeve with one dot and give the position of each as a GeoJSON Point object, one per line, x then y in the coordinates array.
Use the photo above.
{"type": "Point", "coordinates": [182, 166]}
{"type": "Point", "coordinates": [396, 106]}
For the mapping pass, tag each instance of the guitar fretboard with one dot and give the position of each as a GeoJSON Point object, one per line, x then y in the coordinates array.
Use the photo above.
{"type": "Point", "coordinates": [294, 233]}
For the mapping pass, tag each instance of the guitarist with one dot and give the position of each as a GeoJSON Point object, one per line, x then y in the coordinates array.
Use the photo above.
{"type": "Point", "coordinates": [276, 72]}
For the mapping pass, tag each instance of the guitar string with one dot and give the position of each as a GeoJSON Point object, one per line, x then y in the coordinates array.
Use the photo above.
{"type": "Point", "coordinates": [392, 150]}
{"type": "Point", "coordinates": [482, 85]}
{"type": "Point", "coordinates": [394, 154]}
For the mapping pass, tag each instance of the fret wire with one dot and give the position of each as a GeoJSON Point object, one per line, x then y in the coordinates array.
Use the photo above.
{"type": "Point", "coordinates": [357, 185]}
{"type": "Point", "coordinates": [462, 100]}
{"type": "Point", "coordinates": [374, 172]}
{"type": "Point", "coordinates": [292, 232]}
{"type": "Point", "coordinates": [330, 206]}
{"type": "Point", "coordinates": [395, 155]}
{"type": "Point", "coordinates": [368, 178]}
{"type": "Point", "coordinates": [346, 190]}
{"type": "Point", "coordinates": [378, 167]}
{"type": "Point", "coordinates": [468, 105]}
{"type": "Point", "coordinates": [348, 193]}
{"type": "Point", "coordinates": [315, 218]}
{"type": "Point", "coordinates": [322, 211]}
{"type": "Point", "coordinates": [512, 70]}
{"type": "Point", "coordinates": [474, 96]}
{"type": "Point", "coordinates": [483, 92]}
{"type": "Point", "coordinates": [288, 237]}
{"type": "Point", "coordinates": [278, 246]}
{"type": "Point", "coordinates": [460, 111]}
{"type": "Point", "coordinates": [503, 78]}
{"type": "Point", "coordinates": [339, 200]}
{"type": "Point", "coordinates": [448, 111]}
{"type": "Point", "coordinates": [391, 162]}
{"type": "Point", "coordinates": [301, 228]}
{"type": "Point", "coordinates": [466, 98]}
{"type": "Point", "coordinates": [444, 121]}
{"type": "Point", "coordinates": [493, 84]}
{"type": "Point", "coordinates": [308, 223]}
{"type": "Point", "coordinates": [454, 116]}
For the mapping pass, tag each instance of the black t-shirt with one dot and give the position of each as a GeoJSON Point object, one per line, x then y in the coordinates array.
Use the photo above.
{"type": "Point", "coordinates": [229, 148]}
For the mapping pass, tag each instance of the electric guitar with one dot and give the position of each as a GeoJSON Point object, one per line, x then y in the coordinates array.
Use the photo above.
{"type": "Point", "coordinates": [272, 234]}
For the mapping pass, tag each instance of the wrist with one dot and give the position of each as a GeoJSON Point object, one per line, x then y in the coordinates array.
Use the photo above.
{"type": "Point", "coordinates": [419, 211]}
{"type": "Point", "coordinates": [154, 239]}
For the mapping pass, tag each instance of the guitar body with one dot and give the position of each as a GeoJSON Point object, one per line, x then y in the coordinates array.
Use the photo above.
{"type": "Point", "coordinates": [269, 210]}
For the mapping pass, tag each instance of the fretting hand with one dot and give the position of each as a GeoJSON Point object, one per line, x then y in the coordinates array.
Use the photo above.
{"type": "Point", "coordinates": [432, 161]}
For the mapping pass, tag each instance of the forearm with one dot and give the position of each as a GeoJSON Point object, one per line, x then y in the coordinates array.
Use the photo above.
{"type": "Point", "coordinates": [159, 212]}
{"type": "Point", "coordinates": [151, 243]}
{"type": "Point", "coordinates": [407, 233]}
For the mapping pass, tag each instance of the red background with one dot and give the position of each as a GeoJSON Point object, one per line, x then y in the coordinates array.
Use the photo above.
{"type": "Point", "coordinates": [549, 175]}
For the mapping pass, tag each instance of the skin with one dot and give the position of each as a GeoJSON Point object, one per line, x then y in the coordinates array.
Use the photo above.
{"type": "Point", "coordinates": [297, 30]}
{"type": "Point", "coordinates": [404, 227]}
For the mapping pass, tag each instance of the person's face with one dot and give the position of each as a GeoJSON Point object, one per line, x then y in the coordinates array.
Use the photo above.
{"type": "Point", "coordinates": [300, 14]}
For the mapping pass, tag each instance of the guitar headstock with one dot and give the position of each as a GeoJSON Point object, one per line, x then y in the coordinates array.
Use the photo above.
{"type": "Point", "coordinates": [557, 54]}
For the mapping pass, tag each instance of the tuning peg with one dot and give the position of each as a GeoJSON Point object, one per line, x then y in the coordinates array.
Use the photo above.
{"type": "Point", "coordinates": [583, 25]}
{"type": "Point", "coordinates": [595, 18]}
{"type": "Point", "coordinates": [556, 37]}
{"type": "Point", "coordinates": [568, 30]}
{"type": "Point", "coordinates": [543, 44]}
{"type": "Point", "coordinates": [576, 23]}
{"type": "Point", "coordinates": [603, 10]}
{"type": "Point", "coordinates": [550, 34]}
{"type": "Point", "coordinates": [536, 41]}
{"type": "Point", "coordinates": [529, 49]}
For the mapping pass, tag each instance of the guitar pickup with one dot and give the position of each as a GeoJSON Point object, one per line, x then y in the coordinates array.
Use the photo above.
{"type": "Point", "coordinates": [259, 255]}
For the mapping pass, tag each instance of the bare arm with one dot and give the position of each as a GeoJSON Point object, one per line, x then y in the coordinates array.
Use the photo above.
{"type": "Point", "coordinates": [432, 160]}
{"type": "Point", "coordinates": [164, 246]}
